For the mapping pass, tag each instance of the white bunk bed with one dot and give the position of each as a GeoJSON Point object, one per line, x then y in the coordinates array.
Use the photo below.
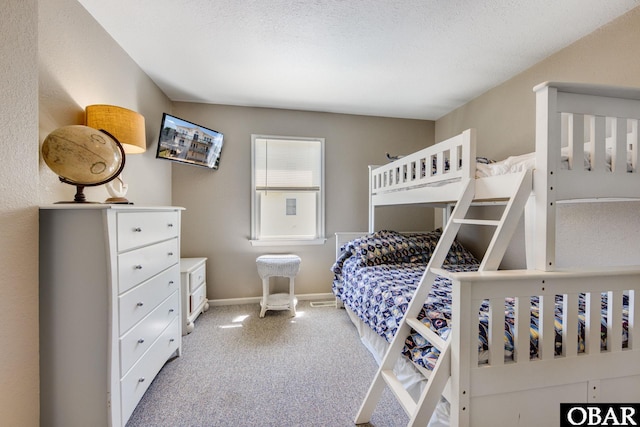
{"type": "Point", "coordinates": [565, 112]}
{"type": "Point", "coordinates": [586, 139]}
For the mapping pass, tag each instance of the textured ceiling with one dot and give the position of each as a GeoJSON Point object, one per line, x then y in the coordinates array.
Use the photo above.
{"type": "Point", "coordinates": [396, 58]}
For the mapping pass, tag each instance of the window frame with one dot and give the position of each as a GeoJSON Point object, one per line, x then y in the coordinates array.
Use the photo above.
{"type": "Point", "coordinates": [320, 209]}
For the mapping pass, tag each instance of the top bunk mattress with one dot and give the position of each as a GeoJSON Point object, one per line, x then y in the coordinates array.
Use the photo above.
{"type": "Point", "coordinates": [513, 164]}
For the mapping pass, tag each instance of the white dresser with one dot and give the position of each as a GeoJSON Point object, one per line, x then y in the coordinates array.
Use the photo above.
{"type": "Point", "coordinates": [110, 314]}
{"type": "Point", "coordinates": [193, 282]}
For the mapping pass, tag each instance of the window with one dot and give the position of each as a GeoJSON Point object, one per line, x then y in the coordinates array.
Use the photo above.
{"type": "Point", "coordinates": [287, 184]}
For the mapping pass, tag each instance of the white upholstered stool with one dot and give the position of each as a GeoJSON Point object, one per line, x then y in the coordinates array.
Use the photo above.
{"type": "Point", "coordinates": [278, 266]}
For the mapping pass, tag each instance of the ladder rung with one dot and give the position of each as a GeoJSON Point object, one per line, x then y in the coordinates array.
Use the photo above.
{"type": "Point", "coordinates": [492, 222]}
{"type": "Point", "coordinates": [440, 272]}
{"type": "Point", "coordinates": [424, 371]}
{"type": "Point", "coordinates": [427, 333]}
{"type": "Point", "coordinates": [405, 399]}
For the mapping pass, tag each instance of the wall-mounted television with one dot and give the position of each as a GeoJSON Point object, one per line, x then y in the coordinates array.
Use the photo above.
{"type": "Point", "coordinates": [186, 142]}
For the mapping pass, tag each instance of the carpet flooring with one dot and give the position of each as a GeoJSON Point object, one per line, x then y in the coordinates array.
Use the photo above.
{"type": "Point", "coordinates": [238, 370]}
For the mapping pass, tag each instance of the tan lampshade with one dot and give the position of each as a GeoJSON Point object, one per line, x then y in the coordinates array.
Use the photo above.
{"type": "Point", "coordinates": [126, 125]}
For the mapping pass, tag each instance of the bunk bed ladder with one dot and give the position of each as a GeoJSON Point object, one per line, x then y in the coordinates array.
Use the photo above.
{"type": "Point", "coordinates": [420, 411]}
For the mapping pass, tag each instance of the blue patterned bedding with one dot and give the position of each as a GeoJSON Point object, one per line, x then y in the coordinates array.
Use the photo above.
{"type": "Point", "coordinates": [377, 275]}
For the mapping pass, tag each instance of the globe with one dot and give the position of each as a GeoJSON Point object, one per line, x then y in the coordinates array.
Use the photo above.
{"type": "Point", "coordinates": [83, 156]}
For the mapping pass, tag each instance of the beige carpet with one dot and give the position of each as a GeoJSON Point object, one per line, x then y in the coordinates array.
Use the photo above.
{"type": "Point", "coordinates": [241, 370]}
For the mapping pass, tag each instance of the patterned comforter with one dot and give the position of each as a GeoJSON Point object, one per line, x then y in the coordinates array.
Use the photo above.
{"type": "Point", "coordinates": [377, 275]}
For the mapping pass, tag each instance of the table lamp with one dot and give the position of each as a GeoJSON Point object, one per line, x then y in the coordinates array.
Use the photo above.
{"type": "Point", "coordinates": [127, 127]}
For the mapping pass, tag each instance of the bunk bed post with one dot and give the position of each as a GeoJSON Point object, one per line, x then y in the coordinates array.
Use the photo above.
{"type": "Point", "coordinates": [460, 396]}
{"type": "Point", "coordinates": [372, 209]}
{"type": "Point", "coordinates": [530, 231]}
{"type": "Point", "coordinates": [547, 143]}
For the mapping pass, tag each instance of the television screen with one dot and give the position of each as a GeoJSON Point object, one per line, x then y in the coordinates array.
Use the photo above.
{"type": "Point", "coordinates": [189, 143]}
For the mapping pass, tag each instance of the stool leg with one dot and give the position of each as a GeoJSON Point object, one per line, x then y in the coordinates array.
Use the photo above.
{"type": "Point", "coordinates": [292, 297]}
{"type": "Point", "coordinates": [265, 295]}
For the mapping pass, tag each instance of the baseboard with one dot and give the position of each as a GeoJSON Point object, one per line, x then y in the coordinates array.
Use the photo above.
{"type": "Point", "coordinates": [256, 300]}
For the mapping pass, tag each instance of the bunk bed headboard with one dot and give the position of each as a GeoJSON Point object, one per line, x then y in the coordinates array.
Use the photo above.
{"type": "Point", "coordinates": [596, 129]}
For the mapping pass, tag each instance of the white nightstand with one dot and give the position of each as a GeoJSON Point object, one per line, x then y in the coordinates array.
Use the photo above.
{"type": "Point", "coordinates": [193, 285]}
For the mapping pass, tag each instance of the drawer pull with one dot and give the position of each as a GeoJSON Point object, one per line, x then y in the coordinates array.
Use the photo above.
{"type": "Point", "coordinates": [137, 230]}
{"type": "Point", "coordinates": [172, 340]}
{"type": "Point", "coordinates": [138, 267]}
{"type": "Point", "coordinates": [171, 310]}
{"type": "Point", "coordinates": [141, 340]}
{"type": "Point", "coordinates": [170, 253]}
{"type": "Point", "coordinates": [141, 379]}
{"type": "Point", "coordinates": [171, 282]}
{"type": "Point", "coordinates": [170, 225]}
{"type": "Point", "coordinates": [140, 304]}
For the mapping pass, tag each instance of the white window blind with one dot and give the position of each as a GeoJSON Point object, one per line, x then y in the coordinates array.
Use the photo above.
{"type": "Point", "coordinates": [287, 164]}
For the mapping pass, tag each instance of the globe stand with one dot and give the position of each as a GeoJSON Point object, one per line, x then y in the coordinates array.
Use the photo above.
{"type": "Point", "coordinates": [79, 197]}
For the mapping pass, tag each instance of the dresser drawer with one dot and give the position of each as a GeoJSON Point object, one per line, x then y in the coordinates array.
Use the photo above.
{"type": "Point", "coordinates": [196, 278]}
{"type": "Point", "coordinates": [197, 298]}
{"type": "Point", "coordinates": [141, 300]}
{"type": "Point", "coordinates": [137, 229]}
{"type": "Point", "coordinates": [137, 380]}
{"type": "Point", "coordinates": [137, 341]}
{"type": "Point", "coordinates": [141, 264]}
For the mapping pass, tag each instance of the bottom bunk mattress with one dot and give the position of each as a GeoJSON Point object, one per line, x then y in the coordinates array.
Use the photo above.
{"type": "Point", "coordinates": [376, 276]}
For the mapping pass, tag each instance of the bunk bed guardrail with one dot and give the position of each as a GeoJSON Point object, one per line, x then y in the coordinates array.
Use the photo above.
{"type": "Point", "coordinates": [450, 160]}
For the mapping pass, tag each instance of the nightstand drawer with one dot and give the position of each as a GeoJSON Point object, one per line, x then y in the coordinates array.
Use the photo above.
{"type": "Point", "coordinates": [197, 277]}
{"type": "Point", "coordinates": [137, 229]}
{"type": "Point", "coordinates": [197, 298]}
{"type": "Point", "coordinates": [135, 343]}
{"type": "Point", "coordinates": [141, 300]}
{"type": "Point", "coordinates": [139, 265]}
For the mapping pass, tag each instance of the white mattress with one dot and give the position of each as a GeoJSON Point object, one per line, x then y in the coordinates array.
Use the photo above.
{"type": "Point", "coordinates": [528, 161]}
{"type": "Point", "coordinates": [509, 165]}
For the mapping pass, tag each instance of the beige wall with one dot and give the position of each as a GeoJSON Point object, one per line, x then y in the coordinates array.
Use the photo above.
{"type": "Point", "coordinates": [217, 220]}
{"type": "Point", "coordinates": [505, 121]}
{"type": "Point", "coordinates": [19, 214]}
{"type": "Point", "coordinates": [80, 65]}
{"type": "Point", "coordinates": [505, 115]}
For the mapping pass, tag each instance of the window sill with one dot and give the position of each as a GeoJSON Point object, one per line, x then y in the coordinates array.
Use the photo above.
{"type": "Point", "coordinates": [292, 242]}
